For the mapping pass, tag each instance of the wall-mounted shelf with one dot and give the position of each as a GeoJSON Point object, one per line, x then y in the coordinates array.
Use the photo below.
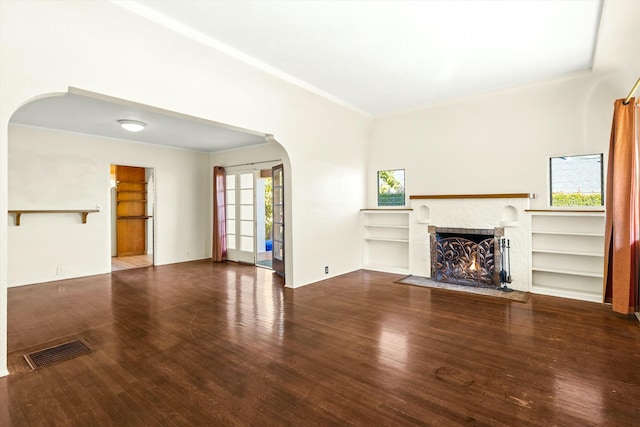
{"type": "Point", "coordinates": [18, 212]}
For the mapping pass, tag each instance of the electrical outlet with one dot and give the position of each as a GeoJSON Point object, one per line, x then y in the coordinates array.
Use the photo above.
{"type": "Point", "coordinates": [326, 270]}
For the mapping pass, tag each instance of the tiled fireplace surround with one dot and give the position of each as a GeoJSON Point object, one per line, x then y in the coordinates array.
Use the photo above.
{"type": "Point", "coordinates": [502, 213]}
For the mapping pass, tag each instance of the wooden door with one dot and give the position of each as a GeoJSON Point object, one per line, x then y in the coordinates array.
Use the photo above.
{"type": "Point", "coordinates": [277, 180]}
{"type": "Point", "coordinates": [131, 211]}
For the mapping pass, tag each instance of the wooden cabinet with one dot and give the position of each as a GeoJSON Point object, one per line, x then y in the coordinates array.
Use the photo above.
{"type": "Point", "coordinates": [386, 240]}
{"type": "Point", "coordinates": [131, 211]}
{"type": "Point", "coordinates": [567, 254]}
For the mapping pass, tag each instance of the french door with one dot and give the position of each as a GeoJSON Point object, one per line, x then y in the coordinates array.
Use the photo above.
{"type": "Point", "coordinates": [277, 176]}
{"type": "Point", "coordinates": [240, 216]}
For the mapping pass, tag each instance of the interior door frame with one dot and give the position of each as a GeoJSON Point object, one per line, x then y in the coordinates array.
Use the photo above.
{"type": "Point", "coordinates": [150, 172]}
{"type": "Point", "coordinates": [255, 168]}
{"type": "Point", "coordinates": [278, 260]}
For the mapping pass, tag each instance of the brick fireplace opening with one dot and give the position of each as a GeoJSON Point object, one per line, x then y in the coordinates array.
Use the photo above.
{"type": "Point", "coordinates": [466, 256]}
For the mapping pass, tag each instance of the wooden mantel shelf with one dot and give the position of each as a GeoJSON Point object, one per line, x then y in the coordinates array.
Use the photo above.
{"type": "Point", "coordinates": [18, 212]}
{"type": "Point", "coordinates": [477, 196]}
{"type": "Point", "coordinates": [386, 209]}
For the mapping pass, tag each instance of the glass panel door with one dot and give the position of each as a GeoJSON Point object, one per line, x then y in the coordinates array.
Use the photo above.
{"type": "Point", "coordinates": [232, 247]}
{"type": "Point", "coordinates": [246, 222]}
{"type": "Point", "coordinates": [240, 217]}
{"type": "Point", "coordinates": [277, 176]}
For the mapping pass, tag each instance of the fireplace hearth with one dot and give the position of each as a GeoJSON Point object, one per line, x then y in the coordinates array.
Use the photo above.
{"type": "Point", "coordinates": [466, 256]}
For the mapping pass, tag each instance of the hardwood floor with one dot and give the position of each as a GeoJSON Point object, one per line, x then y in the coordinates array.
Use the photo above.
{"type": "Point", "coordinates": [132, 261]}
{"type": "Point", "coordinates": [225, 344]}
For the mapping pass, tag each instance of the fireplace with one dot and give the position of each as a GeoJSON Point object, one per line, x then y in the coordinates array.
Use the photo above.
{"type": "Point", "coordinates": [466, 256]}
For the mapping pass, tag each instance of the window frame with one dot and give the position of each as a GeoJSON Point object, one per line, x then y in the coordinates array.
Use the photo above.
{"type": "Point", "coordinates": [602, 183]}
{"type": "Point", "coordinates": [403, 184]}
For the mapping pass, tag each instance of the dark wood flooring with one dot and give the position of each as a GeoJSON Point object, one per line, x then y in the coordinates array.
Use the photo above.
{"type": "Point", "coordinates": [207, 344]}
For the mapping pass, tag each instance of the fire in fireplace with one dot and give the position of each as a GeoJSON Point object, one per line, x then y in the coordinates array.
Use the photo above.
{"type": "Point", "coordinates": [466, 256]}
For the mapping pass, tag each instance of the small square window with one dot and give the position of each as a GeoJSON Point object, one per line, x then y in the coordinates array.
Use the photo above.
{"type": "Point", "coordinates": [391, 187]}
{"type": "Point", "coordinates": [576, 180]}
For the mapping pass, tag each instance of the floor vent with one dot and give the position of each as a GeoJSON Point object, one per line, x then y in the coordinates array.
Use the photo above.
{"type": "Point", "coordinates": [49, 356]}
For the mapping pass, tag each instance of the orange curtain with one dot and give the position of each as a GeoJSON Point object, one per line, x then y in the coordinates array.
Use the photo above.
{"type": "Point", "coordinates": [219, 240]}
{"type": "Point", "coordinates": [622, 224]}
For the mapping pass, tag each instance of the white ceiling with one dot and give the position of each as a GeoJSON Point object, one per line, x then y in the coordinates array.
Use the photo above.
{"type": "Point", "coordinates": [375, 56]}
{"type": "Point", "coordinates": [386, 56]}
{"type": "Point", "coordinates": [94, 115]}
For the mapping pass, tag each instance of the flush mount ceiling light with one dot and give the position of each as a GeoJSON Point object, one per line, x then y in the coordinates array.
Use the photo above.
{"type": "Point", "coordinates": [132, 125]}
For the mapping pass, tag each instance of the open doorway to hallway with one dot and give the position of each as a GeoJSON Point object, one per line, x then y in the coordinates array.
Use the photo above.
{"type": "Point", "coordinates": [132, 206]}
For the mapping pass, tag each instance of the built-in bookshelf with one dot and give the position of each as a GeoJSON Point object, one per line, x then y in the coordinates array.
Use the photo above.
{"type": "Point", "coordinates": [567, 253]}
{"type": "Point", "coordinates": [386, 240]}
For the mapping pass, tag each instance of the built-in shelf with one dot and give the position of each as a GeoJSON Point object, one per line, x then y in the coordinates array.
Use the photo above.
{"type": "Point", "coordinates": [18, 212]}
{"type": "Point", "coordinates": [567, 253]}
{"type": "Point", "coordinates": [386, 239]}
{"type": "Point", "coordinates": [569, 272]}
{"type": "Point", "coordinates": [378, 239]}
{"type": "Point", "coordinates": [559, 252]}
{"type": "Point", "coordinates": [578, 295]}
{"type": "Point", "coordinates": [558, 210]}
{"type": "Point", "coordinates": [567, 233]}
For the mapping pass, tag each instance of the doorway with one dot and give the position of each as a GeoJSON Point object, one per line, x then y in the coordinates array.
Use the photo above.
{"type": "Point", "coordinates": [264, 219]}
{"type": "Point", "coordinates": [250, 216]}
{"type": "Point", "coordinates": [132, 190]}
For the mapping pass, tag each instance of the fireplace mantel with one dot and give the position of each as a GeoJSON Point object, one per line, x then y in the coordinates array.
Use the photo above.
{"type": "Point", "coordinates": [472, 211]}
{"type": "Point", "coordinates": [476, 196]}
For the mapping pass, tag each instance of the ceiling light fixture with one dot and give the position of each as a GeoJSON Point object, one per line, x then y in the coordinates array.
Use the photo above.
{"type": "Point", "coordinates": [132, 125]}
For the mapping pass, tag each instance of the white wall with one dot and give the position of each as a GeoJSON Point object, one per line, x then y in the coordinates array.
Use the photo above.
{"type": "Point", "coordinates": [508, 213]}
{"type": "Point", "coordinates": [501, 142]}
{"type": "Point", "coordinates": [62, 170]}
{"type": "Point", "coordinates": [49, 46]}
